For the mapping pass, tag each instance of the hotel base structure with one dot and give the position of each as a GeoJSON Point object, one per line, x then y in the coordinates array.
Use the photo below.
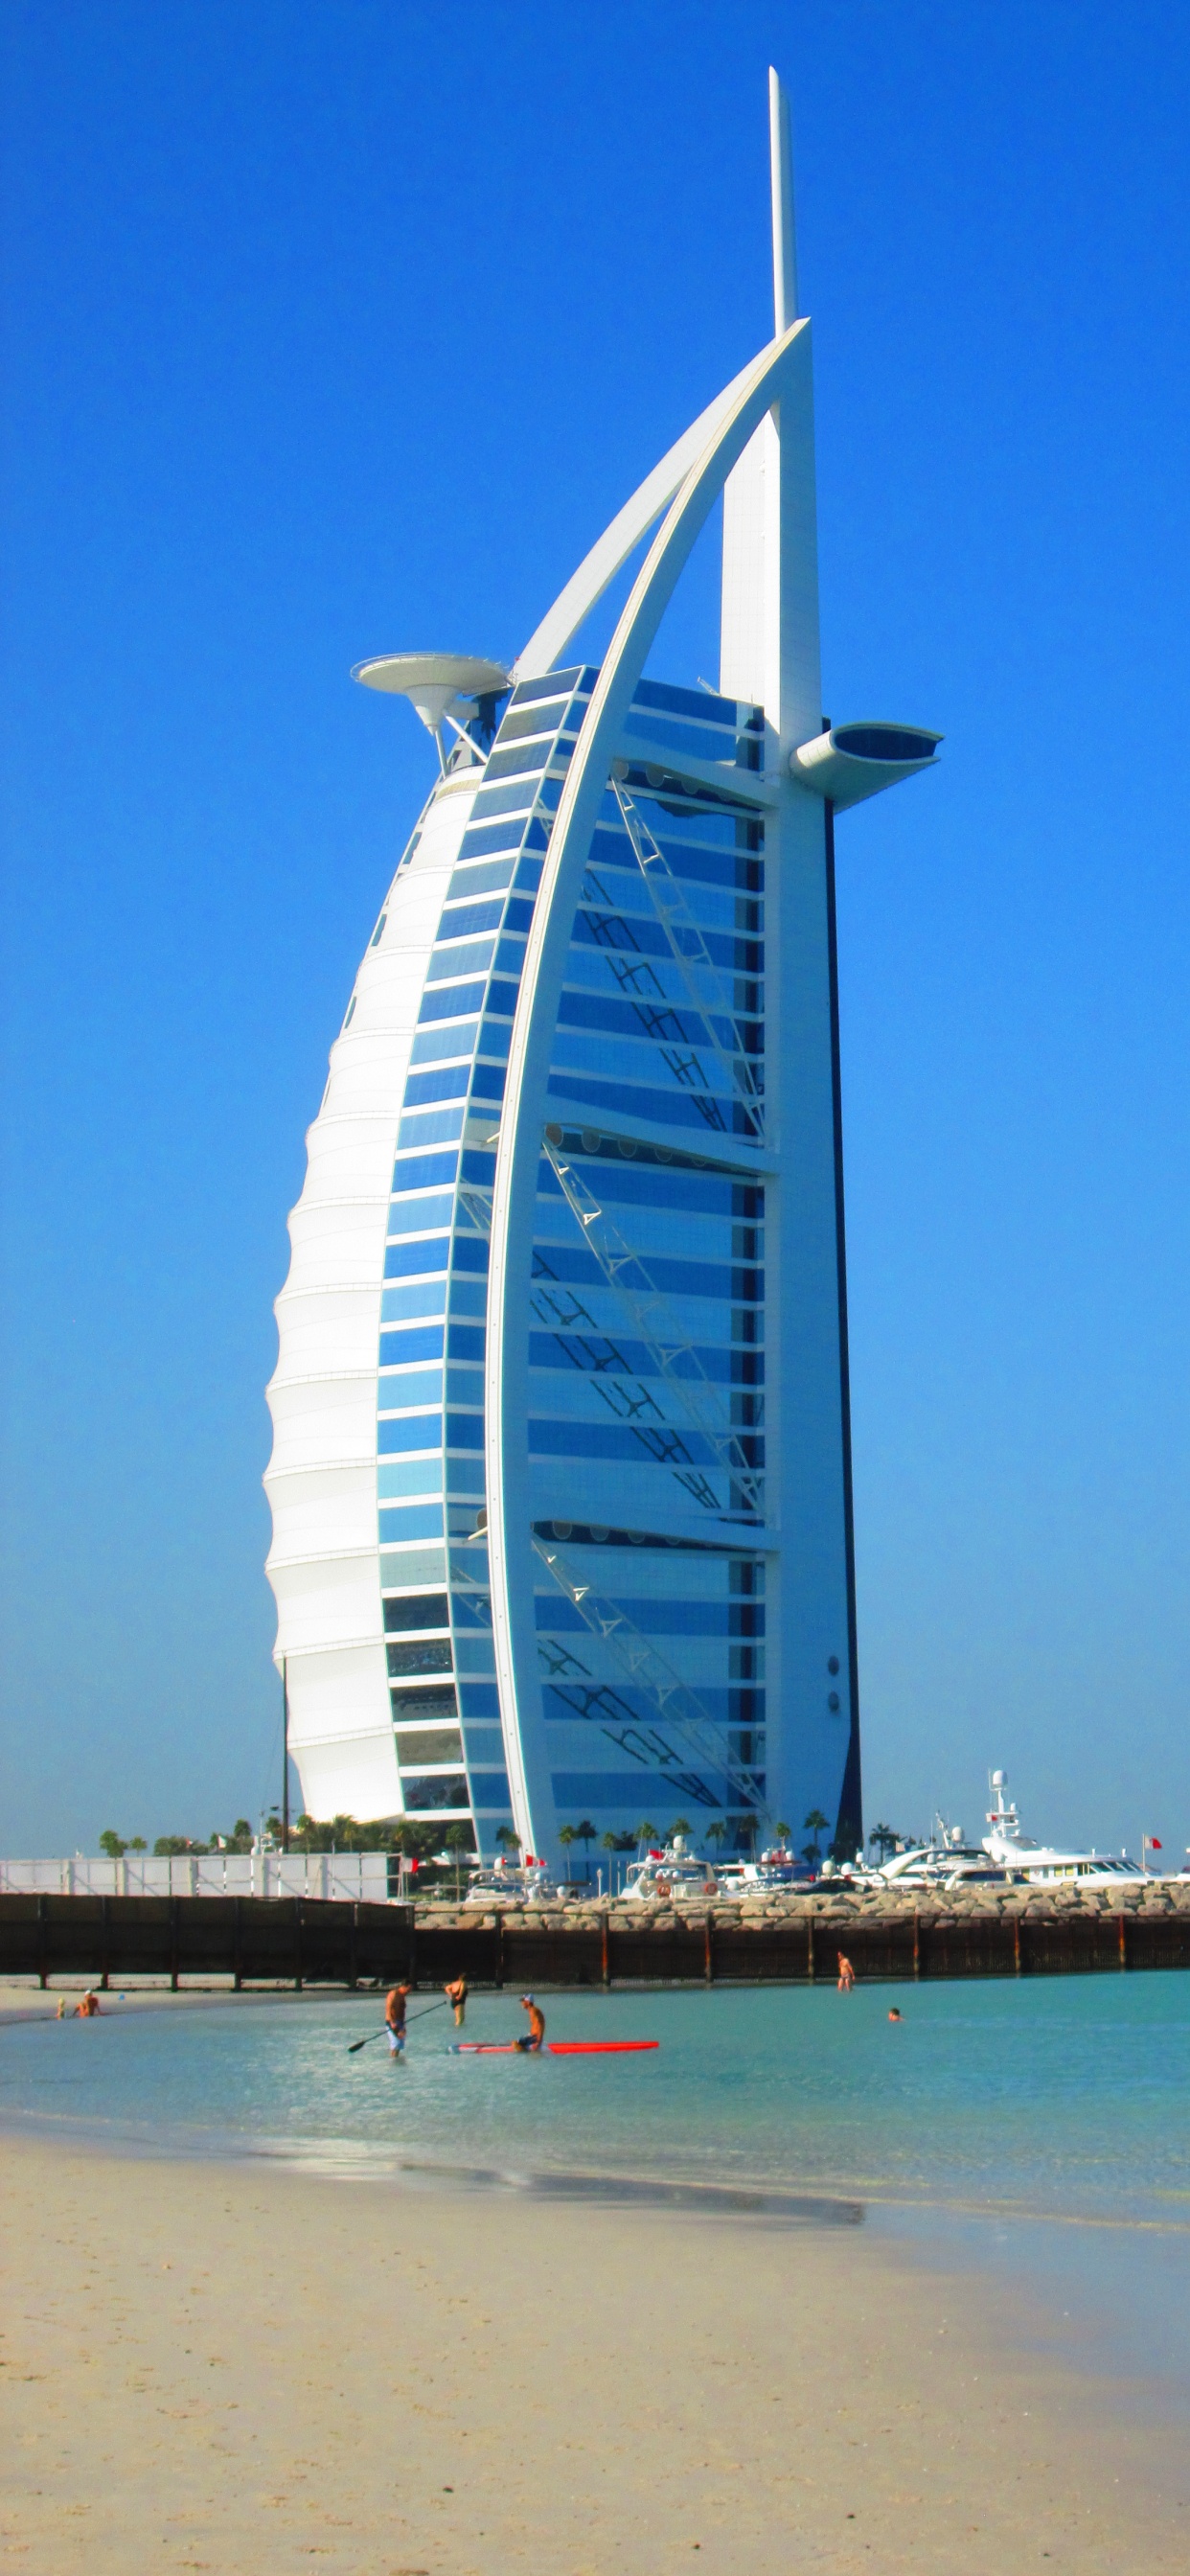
{"type": "Point", "coordinates": [561, 1476]}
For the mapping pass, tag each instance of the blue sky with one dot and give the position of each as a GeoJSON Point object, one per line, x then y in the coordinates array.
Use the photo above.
{"type": "Point", "coordinates": [344, 328]}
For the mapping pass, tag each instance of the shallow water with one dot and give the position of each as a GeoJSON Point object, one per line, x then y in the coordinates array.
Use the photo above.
{"type": "Point", "coordinates": [1064, 2098]}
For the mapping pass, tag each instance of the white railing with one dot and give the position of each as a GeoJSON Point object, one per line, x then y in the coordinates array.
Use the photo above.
{"type": "Point", "coordinates": [351, 1877]}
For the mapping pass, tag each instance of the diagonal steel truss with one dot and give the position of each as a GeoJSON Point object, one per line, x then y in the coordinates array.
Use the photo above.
{"type": "Point", "coordinates": [681, 1710]}
{"type": "Point", "coordinates": [688, 949]}
{"type": "Point", "coordinates": [673, 1353]}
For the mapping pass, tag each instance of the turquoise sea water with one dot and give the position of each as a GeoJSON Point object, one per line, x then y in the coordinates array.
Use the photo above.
{"type": "Point", "coordinates": [1065, 2098]}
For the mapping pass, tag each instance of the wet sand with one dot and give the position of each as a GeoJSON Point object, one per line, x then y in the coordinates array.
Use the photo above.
{"type": "Point", "coordinates": [246, 2369]}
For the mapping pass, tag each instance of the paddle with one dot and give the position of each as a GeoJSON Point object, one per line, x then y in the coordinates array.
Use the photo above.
{"type": "Point", "coordinates": [357, 2044]}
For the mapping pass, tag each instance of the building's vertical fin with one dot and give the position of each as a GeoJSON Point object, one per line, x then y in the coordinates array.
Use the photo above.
{"type": "Point", "coordinates": [769, 617]}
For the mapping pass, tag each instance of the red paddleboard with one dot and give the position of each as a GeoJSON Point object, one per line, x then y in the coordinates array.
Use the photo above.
{"type": "Point", "coordinates": [552, 2048]}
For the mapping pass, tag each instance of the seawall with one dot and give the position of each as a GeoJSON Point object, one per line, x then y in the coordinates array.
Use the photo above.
{"type": "Point", "coordinates": [788, 1940]}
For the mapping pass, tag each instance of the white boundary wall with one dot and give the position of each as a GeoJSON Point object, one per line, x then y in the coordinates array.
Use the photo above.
{"type": "Point", "coordinates": [352, 1877]}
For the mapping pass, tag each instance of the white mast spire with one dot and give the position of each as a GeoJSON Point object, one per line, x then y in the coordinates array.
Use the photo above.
{"type": "Point", "coordinates": [785, 304]}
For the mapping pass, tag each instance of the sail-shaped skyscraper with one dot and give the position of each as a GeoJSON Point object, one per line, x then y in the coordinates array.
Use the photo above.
{"type": "Point", "coordinates": [561, 1480]}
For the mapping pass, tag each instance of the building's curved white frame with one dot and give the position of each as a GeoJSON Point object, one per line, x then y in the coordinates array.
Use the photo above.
{"type": "Point", "coordinates": [733, 420]}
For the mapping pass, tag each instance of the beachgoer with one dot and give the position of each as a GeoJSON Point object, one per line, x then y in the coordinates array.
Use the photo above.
{"type": "Point", "coordinates": [456, 1994]}
{"type": "Point", "coordinates": [894, 2014]}
{"type": "Point", "coordinates": [846, 1975]}
{"type": "Point", "coordinates": [63, 2009]}
{"type": "Point", "coordinates": [394, 2018]}
{"type": "Point", "coordinates": [87, 2006]}
{"type": "Point", "coordinates": [535, 2034]}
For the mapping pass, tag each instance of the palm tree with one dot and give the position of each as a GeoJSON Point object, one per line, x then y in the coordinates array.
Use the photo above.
{"type": "Point", "coordinates": [715, 1832]}
{"type": "Point", "coordinates": [645, 1834]}
{"type": "Point", "coordinates": [508, 1840]}
{"type": "Point", "coordinates": [586, 1835]}
{"type": "Point", "coordinates": [885, 1840]}
{"type": "Point", "coordinates": [782, 1831]}
{"type": "Point", "coordinates": [568, 1836]}
{"type": "Point", "coordinates": [816, 1824]}
{"type": "Point", "coordinates": [458, 1840]}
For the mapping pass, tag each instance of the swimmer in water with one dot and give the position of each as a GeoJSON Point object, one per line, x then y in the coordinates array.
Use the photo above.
{"type": "Point", "coordinates": [531, 2043]}
{"type": "Point", "coordinates": [894, 2014]}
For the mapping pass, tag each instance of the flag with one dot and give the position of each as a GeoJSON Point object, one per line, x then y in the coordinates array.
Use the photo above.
{"type": "Point", "coordinates": [1150, 1842]}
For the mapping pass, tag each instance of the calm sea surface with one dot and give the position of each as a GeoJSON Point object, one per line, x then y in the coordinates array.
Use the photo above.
{"type": "Point", "coordinates": [1065, 2098]}
{"type": "Point", "coordinates": [1037, 2132]}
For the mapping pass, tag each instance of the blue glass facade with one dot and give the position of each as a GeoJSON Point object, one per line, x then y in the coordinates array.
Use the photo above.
{"type": "Point", "coordinates": [647, 1334]}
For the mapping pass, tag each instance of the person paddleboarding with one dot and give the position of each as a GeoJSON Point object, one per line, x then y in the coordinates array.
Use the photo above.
{"type": "Point", "coordinates": [529, 2044]}
{"type": "Point", "coordinates": [394, 2018]}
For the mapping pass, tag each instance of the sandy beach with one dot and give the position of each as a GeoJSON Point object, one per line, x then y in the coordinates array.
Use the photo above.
{"type": "Point", "coordinates": [243, 2367]}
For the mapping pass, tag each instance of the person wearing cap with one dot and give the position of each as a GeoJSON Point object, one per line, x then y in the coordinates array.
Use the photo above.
{"type": "Point", "coordinates": [535, 2034]}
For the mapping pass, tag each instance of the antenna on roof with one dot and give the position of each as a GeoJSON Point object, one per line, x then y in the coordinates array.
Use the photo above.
{"type": "Point", "coordinates": [785, 305]}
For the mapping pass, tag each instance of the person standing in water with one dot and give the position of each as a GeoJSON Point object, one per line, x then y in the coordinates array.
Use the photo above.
{"type": "Point", "coordinates": [846, 1975]}
{"type": "Point", "coordinates": [394, 2018]}
{"type": "Point", "coordinates": [530, 2045]}
{"type": "Point", "coordinates": [456, 1994]}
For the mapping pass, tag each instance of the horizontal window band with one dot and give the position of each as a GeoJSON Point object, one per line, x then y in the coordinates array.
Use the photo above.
{"type": "Point", "coordinates": [448, 1082]}
{"type": "Point", "coordinates": [408, 1390]}
{"type": "Point", "coordinates": [638, 1792]}
{"type": "Point", "coordinates": [410, 1706]}
{"type": "Point", "coordinates": [417, 1342]}
{"type": "Point", "coordinates": [472, 959]}
{"type": "Point", "coordinates": [401, 1479]}
{"type": "Point", "coordinates": [464, 917]}
{"type": "Point", "coordinates": [431, 1127]}
{"type": "Point", "coordinates": [409, 1431]}
{"type": "Point", "coordinates": [708, 1113]}
{"type": "Point", "coordinates": [423, 1172]}
{"type": "Point", "coordinates": [513, 799]}
{"type": "Point", "coordinates": [560, 1264]}
{"type": "Point", "coordinates": [555, 684]}
{"type": "Point", "coordinates": [419, 1655]}
{"type": "Point", "coordinates": [517, 761]}
{"type": "Point", "coordinates": [436, 1793]}
{"type": "Point", "coordinates": [407, 1260]}
{"type": "Point", "coordinates": [658, 1444]}
{"type": "Point", "coordinates": [420, 1215]}
{"type": "Point", "coordinates": [489, 838]}
{"type": "Point", "coordinates": [454, 1004]}
{"type": "Point", "coordinates": [421, 1748]}
{"type": "Point", "coordinates": [481, 1700]}
{"type": "Point", "coordinates": [489, 1790]}
{"type": "Point", "coordinates": [558, 1616]}
{"type": "Point", "coordinates": [701, 705]}
{"type": "Point", "coordinates": [422, 1520]}
{"type": "Point", "coordinates": [417, 1610]}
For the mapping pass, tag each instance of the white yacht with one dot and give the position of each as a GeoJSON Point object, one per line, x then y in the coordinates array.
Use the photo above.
{"type": "Point", "coordinates": [947, 1861]}
{"type": "Point", "coordinates": [1039, 1863]}
{"type": "Point", "coordinates": [676, 1871]}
